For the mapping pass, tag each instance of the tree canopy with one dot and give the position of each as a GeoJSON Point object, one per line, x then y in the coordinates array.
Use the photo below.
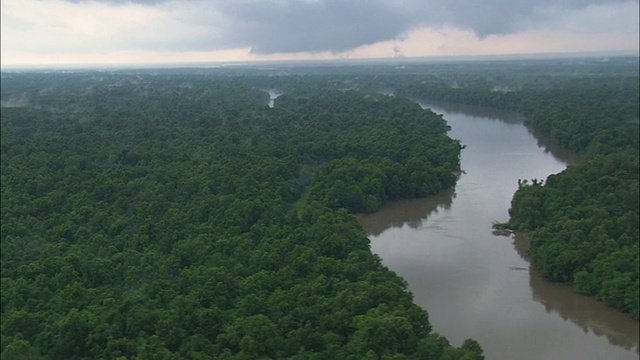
{"type": "Point", "coordinates": [175, 215]}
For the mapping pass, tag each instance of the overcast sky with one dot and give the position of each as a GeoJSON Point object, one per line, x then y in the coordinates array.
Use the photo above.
{"type": "Point", "coordinates": [160, 31]}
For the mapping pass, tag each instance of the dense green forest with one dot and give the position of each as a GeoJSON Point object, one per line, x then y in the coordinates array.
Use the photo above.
{"type": "Point", "coordinates": [173, 214]}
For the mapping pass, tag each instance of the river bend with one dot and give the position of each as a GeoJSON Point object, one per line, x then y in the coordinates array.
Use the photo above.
{"type": "Point", "coordinates": [478, 283]}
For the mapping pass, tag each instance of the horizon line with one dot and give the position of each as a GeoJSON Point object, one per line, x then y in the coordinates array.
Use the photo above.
{"type": "Point", "coordinates": [249, 62]}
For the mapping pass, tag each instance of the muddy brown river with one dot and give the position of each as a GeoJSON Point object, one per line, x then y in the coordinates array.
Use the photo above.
{"type": "Point", "coordinates": [478, 283]}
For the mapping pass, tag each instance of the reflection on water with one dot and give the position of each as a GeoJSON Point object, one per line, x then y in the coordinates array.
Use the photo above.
{"type": "Point", "coordinates": [476, 282]}
{"type": "Point", "coordinates": [488, 114]}
{"type": "Point", "coordinates": [509, 117]}
{"type": "Point", "coordinates": [549, 147]}
{"type": "Point", "coordinates": [411, 212]}
{"type": "Point", "coordinates": [584, 311]}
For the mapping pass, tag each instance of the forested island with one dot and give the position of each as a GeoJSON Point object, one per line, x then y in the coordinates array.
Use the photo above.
{"type": "Point", "coordinates": [172, 213]}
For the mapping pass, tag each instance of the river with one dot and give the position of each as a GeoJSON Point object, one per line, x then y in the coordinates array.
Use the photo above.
{"type": "Point", "coordinates": [478, 283]}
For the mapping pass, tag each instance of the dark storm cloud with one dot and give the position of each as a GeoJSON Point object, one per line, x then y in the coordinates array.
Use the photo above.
{"type": "Point", "coordinates": [314, 26]}
{"type": "Point", "coordinates": [120, 2]}
{"type": "Point", "coordinates": [271, 26]}
{"type": "Point", "coordinates": [337, 25]}
{"type": "Point", "coordinates": [499, 17]}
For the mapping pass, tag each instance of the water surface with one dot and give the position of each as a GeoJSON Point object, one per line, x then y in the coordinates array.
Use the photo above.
{"type": "Point", "coordinates": [273, 95]}
{"type": "Point", "coordinates": [478, 283]}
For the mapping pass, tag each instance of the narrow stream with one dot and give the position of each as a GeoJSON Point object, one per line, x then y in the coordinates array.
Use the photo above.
{"type": "Point", "coordinates": [478, 283]}
{"type": "Point", "coordinates": [273, 95]}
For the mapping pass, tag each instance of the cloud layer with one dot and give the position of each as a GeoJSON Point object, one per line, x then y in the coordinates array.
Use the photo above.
{"type": "Point", "coordinates": [288, 26]}
{"type": "Point", "coordinates": [270, 26]}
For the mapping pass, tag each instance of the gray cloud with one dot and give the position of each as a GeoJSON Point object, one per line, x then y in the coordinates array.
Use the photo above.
{"type": "Point", "coordinates": [333, 25]}
{"type": "Point", "coordinates": [498, 17]}
{"type": "Point", "coordinates": [271, 26]}
{"type": "Point", "coordinates": [121, 2]}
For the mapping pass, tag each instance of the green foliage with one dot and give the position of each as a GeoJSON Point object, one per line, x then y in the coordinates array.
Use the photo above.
{"type": "Point", "coordinates": [363, 186]}
{"type": "Point", "coordinates": [584, 227]}
{"type": "Point", "coordinates": [151, 216]}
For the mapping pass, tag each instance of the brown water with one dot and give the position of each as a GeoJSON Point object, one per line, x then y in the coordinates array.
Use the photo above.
{"type": "Point", "coordinates": [478, 283]}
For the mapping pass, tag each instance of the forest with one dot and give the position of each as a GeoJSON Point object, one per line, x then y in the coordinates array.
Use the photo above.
{"type": "Point", "coordinates": [173, 213]}
{"type": "Point", "coordinates": [167, 215]}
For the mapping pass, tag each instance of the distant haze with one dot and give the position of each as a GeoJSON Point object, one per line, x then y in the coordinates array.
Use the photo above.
{"type": "Point", "coordinates": [158, 31]}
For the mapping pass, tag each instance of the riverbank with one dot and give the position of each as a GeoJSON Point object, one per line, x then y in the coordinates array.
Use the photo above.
{"type": "Point", "coordinates": [445, 249]}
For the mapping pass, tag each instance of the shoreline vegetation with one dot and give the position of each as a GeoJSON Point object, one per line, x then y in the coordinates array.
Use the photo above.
{"type": "Point", "coordinates": [504, 226]}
